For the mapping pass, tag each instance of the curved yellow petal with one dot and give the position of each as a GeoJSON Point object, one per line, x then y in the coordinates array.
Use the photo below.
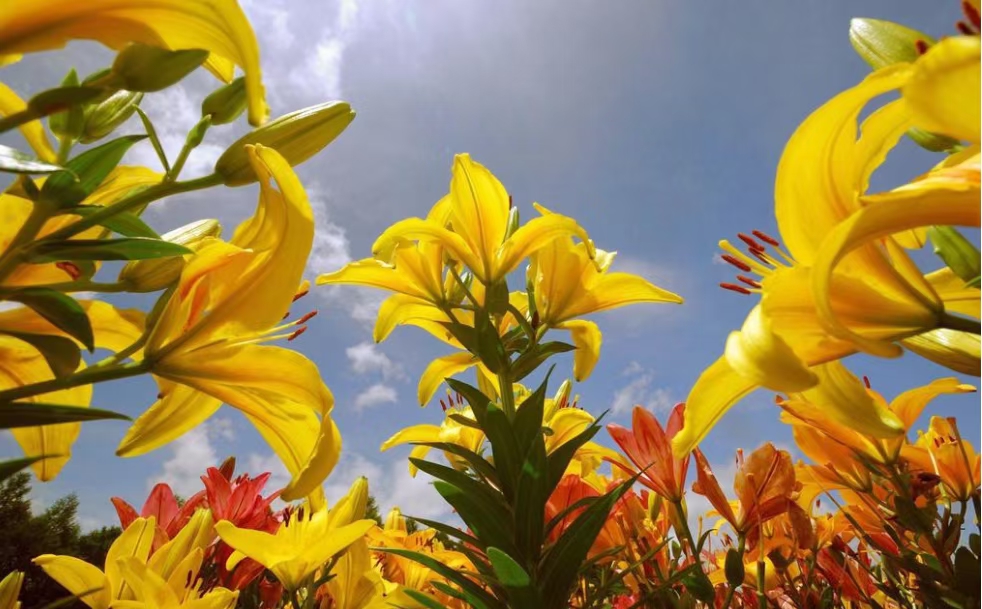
{"type": "Point", "coordinates": [400, 309]}
{"type": "Point", "coordinates": [566, 424]}
{"type": "Point", "coordinates": [587, 339]}
{"type": "Point", "coordinates": [319, 465]}
{"type": "Point", "coordinates": [824, 168]}
{"type": "Point", "coordinates": [614, 290]}
{"type": "Point", "coordinates": [953, 349]}
{"type": "Point", "coordinates": [33, 131]}
{"type": "Point", "coordinates": [441, 369]}
{"type": "Point", "coordinates": [146, 585]}
{"type": "Point", "coordinates": [756, 352]}
{"type": "Point", "coordinates": [260, 546]}
{"type": "Point", "coordinates": [178, 410]}
{"type": "Point", "coordinates": [534, 235]}
{"type": "Point", "coordinates": [943, 91]}
{"type": "Point", "coordinates": [843, 397]}
{"type": "Point", "coordinates": [479, 210]}
{"type": "Point", "coordinates": [77, 576]}
{"type": "Point", "coordinates": [197, 534]}
{"type": "Point", "coordinates": [415, 433]}
{"type": "Point", "coordinates": [953, 204]}
{"type": "Point", "coordinates": [136, 541]}
{"type": "Point", "coordinates": [218, 26]}
{"type": "Point", "coordinates": [410, 229]}
{"type": "Point", "coordinates": [717, 389]}
{"type": "Point", "coordinates": [372, 273]}
{"type": "Point", "coordinates": [909, 405]}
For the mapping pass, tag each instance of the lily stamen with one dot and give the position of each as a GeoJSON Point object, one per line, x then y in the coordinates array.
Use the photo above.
{"type": "Point", "coordinates": [297, 333]}
{"type": "Point", "coordinates": [737, 263]}
{"type": "Point", "coordinates": [739, 289]}
{"type": "Point", "coordinates": [749, 281]}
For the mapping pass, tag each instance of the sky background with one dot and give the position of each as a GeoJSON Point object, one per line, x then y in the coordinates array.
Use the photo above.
{"type": "Point", "coordinates": [657, 125]}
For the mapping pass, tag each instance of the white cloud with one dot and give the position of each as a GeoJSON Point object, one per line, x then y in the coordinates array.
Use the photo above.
{"type": "Point", "coordinates": [192, 454]}
{"type": "Point", "coordinates": [366, 358]}
{"type": "Point", "coordinates": [331, 249]}
{"type": "Point", "coordinates": [375, 395]}
{"type": "Point", "coordinates": [320, 74]}
{"type": "Point", "coordinates": [639, 391]}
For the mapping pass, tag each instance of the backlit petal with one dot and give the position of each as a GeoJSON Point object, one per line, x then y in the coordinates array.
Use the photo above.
{"type": "Point", "coordinates": [715, 391]}
{"type": "Point", "coordinates": [33, 131]}
{"type": "Point", "coordinates": [415, 433]}
{"type": "Point", "coordinates": [179, 410]}
{"type": "Point", "coordinates": [441, 369]}
{"type": "Point", "coordinates": [842, 396]}
{"type": "Point", "coordinates": [756, 352]}
{"type": "Point", "coordinates": [909, 405]}
{"type": "Point", "coordinates": [587, 340]}
{"type": "Point", "coordinates": [479, 210]}
{"type": "Point", "coordinates": [953, 349]}
{"type": "Point", "coordinates": [943, 91]}
{"type": "Point", "coordinates": [77, 576]}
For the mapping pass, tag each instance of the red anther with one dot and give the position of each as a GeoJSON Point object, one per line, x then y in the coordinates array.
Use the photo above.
{"type": "Point", "coordinates": [759, 255]}
{"type": "Point", "coordinates": [307, 317]}
{"type": "Point", "coordinates": [740, 264]}
{"type": "Point", "coordinates": [920, 46]}
{"type": "Point", "coordinates": [739, 289]}
{"type": "Point", "coordinates": [964, 28]}
{"type": "Point", "coordinates": [442, 405]}
{"type": "Point", "coordinates": [749, 281]}
{"type": "Point", "coordinates": [766, 238]}
{"type": "Point", "coordinates": [510, 204]}
{"type": "Point", "coordinates": [972, 13]}
{"type": "Point", "coordinates": [297, 333]}
{"type": "Point", "coordinates": [751, 243]}
{"type": "Point", "coordinates": [818, 503]}
{"type": "Point", "coordinates": [938, 442]}
{"type": "Point", "coordinates": [71, 268]}
{"type": "Point", "coordinates": [866, 382]}
{"type": "Point", "coordinates": [300, 295]}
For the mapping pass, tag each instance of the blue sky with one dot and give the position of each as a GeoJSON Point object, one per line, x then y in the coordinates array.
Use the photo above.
{"type": "Point", "coordinates": [657, 125]}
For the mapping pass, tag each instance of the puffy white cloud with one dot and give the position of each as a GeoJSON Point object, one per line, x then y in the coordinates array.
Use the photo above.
{"type": "Point", "coordinates": [640, 391]}
{"type": "Point", "coordinates": [375, 395]}
{"type": "Point", "coordinates": [192, 454]}
{"type": "Point", "coordinates": [366, 358]}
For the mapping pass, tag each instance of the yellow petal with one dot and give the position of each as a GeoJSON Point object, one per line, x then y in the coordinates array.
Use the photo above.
{"type": "Point", "coordinates": [427, 230]}
{"type": "Point", "coordinates": [319, 465]}
{"type": "Point", "coordinates": [824, 168]}
{"type": "Point", "coordinates": [587, 340]}
{"type": "Point", "coordinates": [218, 26]}
{"type": "Point", "coordinates": [534, 235]}
{"type": "Point", "coordinates": [953, 349]}
{"type": "Point", "coordinates": [943, 91]}
{"type": "Point", "coordinates": [439, 370]}
{"type": "Point", "coordinates": [415, 433]}
{"type": "Point", "coordinates": [909, 405]}
{"type": "Point", "coordinates": [197, 534]}
{"type": "Point", "coordinates": [843, 397]}
{"type": "Point", "coordinates": [263, 547]}
{"type": "Point", "coordinates": [33, 131]}
{"type": "Point", "coordinates": [953, 204]}
{"type": "Point", "coordinates": [615, 290]}
{"type": "Point", "coordinates": [321, 551]}
{"type": "Point", "coordinates": [479, 210]}
{"type": "Point", "coordinates": [112, 328]}
{"type": "Point", "coordinates": [400, 309]}
{"type": "Point", "coordinates": [566, 424]}
{"type": "Point", "coordinates": [77, 576]}
{"type": "Point", "coordinates": [757, 353]}
{"type": "Point", "coordinates": [135, 541]}
{"type": "Point", "coordinates": [375, 274]}
{"type": "Point", "coordinates": [146, 585]}
{"type": "Point", "coordinates": [10, 589]}
{"type": "Point", "coordinates": [178, 410]}
{"type": "Point", "coordinates": [717, 389]}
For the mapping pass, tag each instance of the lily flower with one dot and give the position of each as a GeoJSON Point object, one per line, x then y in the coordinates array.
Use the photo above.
{"type": "Point", "coordinates": [205, 346]}
{"type": "Point", "coordinates": [765, 485]}
{"type": "Point", "coordinates": [355, 583]}
{"type": "Point", "coordinates": [812, 309]}
{"type": "Point", "coordinates": [217, 26]}
{"type": "Point", "coordinates": [478, 211]}
{"type": "Point", "coordinates": [942, 451]}
{"type": "Point", "coordinates": [162, 505]}
{"type": "Point", "coordinates": [649, 447]}
{"type": "Point", "coordinates": [569, 282]}
{"type": "Point", "coordinates": [450, 431]}
{"type": "Point", "coordinates": [151, 591]}
{"type": "Point", "coordinates": [10, 590]}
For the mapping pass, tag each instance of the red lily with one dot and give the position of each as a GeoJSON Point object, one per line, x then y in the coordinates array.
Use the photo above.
{"type": "Point", "coordinates": [162, 505]}
{"type": "Point", "coordinates": [649, 447]}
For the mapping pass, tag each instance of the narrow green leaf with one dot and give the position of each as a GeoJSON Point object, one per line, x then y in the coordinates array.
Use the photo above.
{"type": "Point", "coordinates": [123, 223]}
{"type": "Point", "coordinates": [9, 467]}
{"type": "Point", "coordinates": [530, 361]}
{"type": "Point", "coordinates": [504, 448]}
{"type": "Point", "coordinates": [698, 585]}
{"type": "Point", "coordinates": [528, 418]}
{"type": "Point", "coordinates": [154, 140]}
{"type": "Point", "coordinates": [961, 256]}
{"type": "Point", "coordinates": [475, 398]}
{"type": "Point", "coordinates": [27, 414]}
{"type": "Point", "coordinates": [515, 580]}
{"type": "Point", "coordinates": [462, 420]}
{"type": "Point", "coordinates": [485, 521]}
{"type": "Point", "coordinates": [491, 500]}
{"type": "Point", "coordinates": [422, 599]}
{"type": "Point", "coordinates": [478, 463]}
{"type": "Point", "coordinates": [61, 98]}
{"type": "Point", "coordinates": [531, 495]}
{"type": "Point", "coordinates": [126, 248]}
{"type": "Point", "coordinates": [448, 530]}
{"type": "Point", "coordinates": [86, 172]}
{"type": "Point", "coordinates": [489, 346]}
{"type": "Point", "coordinates": [480, 598]}
{"type": "Point", "coordinates": [62, 354]}
{"type": "Point", "coordinates": [63, 311]}
{"type": "Point", "coordinates": [15, 161]}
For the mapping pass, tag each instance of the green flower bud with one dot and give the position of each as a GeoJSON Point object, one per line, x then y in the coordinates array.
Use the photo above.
{"type": "Point", "coordinates": [226, 104]}
{"type": "Point", "coordinates": [68, 124]}
{"type": "Point", "coordinates": [513, 222]}
{"type": "Point", "coordinates": [101, 119]}
{"type": "Point", "coordinates": [153, 275]}
{"type": "Point", "coordinates": [884, 43]}
{"type": "Point", "coordinates": [143, 68]}
{"type": "Point", "coordinates": [957, 252]}
{"type": "Point", "coordinates": [297, 136]}
{"type": "Point", "coordinates": [458, 292]}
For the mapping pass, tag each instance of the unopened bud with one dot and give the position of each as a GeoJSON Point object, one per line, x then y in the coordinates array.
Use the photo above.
{"type": "Point", "coordinates": [394, 521]}
{"type": "Point", "coordinates": [102, 118]}
{"type": "Point", "coordinates": [513, 221]}
{"type": "Point", "coordinates": [297, 136]}
{"type": "Point", "coordinates": [884, 43]}
{"type": "Point", "coordinates": [457, 291]}
{"type": "Point", "coordinates": [961, 256]}
{"type": "Point", "coordinates": [226, 104]}
{"type": "Point", "coordinates": [140, 67]}
{"type": "Point", "coordinates": [197, 133]}
{"type": "Point", "coordinates": [68, 123]}
{"type": "Point", "coordinates": [153, 275]}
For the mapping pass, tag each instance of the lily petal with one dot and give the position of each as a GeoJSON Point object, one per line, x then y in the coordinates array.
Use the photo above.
{"type": "Point", "coordinates": [909, 405]}
{"type": "Point", "coordinates": [77, 576]}
{"type": "Point", "coordinates": [953, 349]}
{"type": "Point", "coordinates": [587, 340]}
{"type": "Point", "coordinates": [758, 353]}
{"type": "Point", "coordinates": [441, 369]}
{"type": "Point", "coordinates": [715, 391]}
{"type": "Point", "coordinates": [33, 131]}
{"type": "Point", "coordinates": [479, 211]}
{"type": "Point", "coordinates": [177, 411]}
{"type": "Point", "coordinates": [414, 433]}
{"type": "Point", "coordinates": [943, 91]}
{"type": "Point", "coordinates": [400, 309]}
{"type": "Point", "coordinates": [843, 397]}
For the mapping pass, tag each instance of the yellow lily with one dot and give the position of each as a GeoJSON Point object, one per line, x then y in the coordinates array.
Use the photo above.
{"type": "Point", "coordinates": [355, 583]}
{"type": "Point", "coordinates": [301, 546]}
{"type": "Point", "coordinates": [33, 131]}
{"type": "Point", "coordinates": [203, 348]}
{"type": "Point", "coordinates": [21, 364]}
{"type": "Point", "coordinates": [568, 284]}
{"type": "Point", "coordinates": [941, 450]}
{"type": "Point", "coordinates": [10, 590]}
{"type": "Point", "coordinates": [478, 210]}
{"type": "Point", "coordinates": [449, 431]}
{"type": "Point", "coordinates": [151, 591]}
{"type": "Point", "coordinates": [217, 26]}
{"type": "Point", "coordinates": [808, 314]}
{"type": "Point", "coordinates": [101, 589]}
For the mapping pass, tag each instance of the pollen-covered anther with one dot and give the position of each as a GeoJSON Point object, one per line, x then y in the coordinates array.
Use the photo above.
{"type": "Point", "coordinates": [300, 295]}
{"type": "Point", "coordinates": [964, 28]}
{"type": "Point", "coordinates": [307, 317]}
{"type": "Point", "coordinates": [739, 289]}
{"type": "Point", "coordinates": [972, 14]}
{"type": "Point", "coordinates": [296, 333]}
{"type": "Point", "coordinates": [743, 266]}
{"type": "Point", "coordinates": [749, 281]}
{"type": "Point", "coordinates": [766, 238]}
{"type": "Point", "coordinates": [751, 242]}
{"type": "Point", "coordinates": [71, 268]}
{"type": "Point", "coordinates": [866, 382]}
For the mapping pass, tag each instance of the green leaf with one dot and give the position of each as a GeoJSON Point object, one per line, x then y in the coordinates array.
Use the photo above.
{"type": "Point", "coordinates": [698, 585]}
{"type": "Point", "coordinates": [9, 467]}
{"type": "Point", "coordinates": [61, 98]}
{"type": "Point", "coordinates": [27, 414]}
{"type": "Point", "coordinates": [479, 597]}
{"type": "Point", "coordinates": [475, 398]}
{"type": "Point", "coordinates": [504, 448]}
{"type": "Point", "coordinates": [489, 346]}
{"type": "Point", "coordinates": [735, 571]}
{"type": "Point", "coordinates": [448, 530]}
{"type": "Point", "coordinates": [63, 311]}
{"type": "Point", "coordinates": [531, 495]}
{"type": "Point", "coordinates": [478, 463]}
{"type": "Point", "coordinates": [486, 521]}
{"type": "Point", "coordinates": [62, 354]}
{"type": "Point", "coordinates": [464, 421]}
{"type": "Point", "coordinates": [510, 573]}
{"type": "Point", "coordinates": [15, 161]}
{"type": "Point", "coordinates": [528, 362]}
{"type": "Point", "coordinates": [127, 248]}
{"type": "Point", "coordinates": [957, 252]}
{"type": "Point", "coordinates": [967, 572]}
{"type": "Point", "coordinates": [491, 501]}
{"type": "Point", "coordinates": [422, 599]}
{"type": "Point", "coordinates": [86, 172]}
{"type": "Point", "coordinates": [528, 418]}
{"type": "Point", "coordinates": [123, 223]}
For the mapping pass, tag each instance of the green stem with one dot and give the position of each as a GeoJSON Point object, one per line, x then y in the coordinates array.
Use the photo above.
{"type": "Point", "coordinates": [64, 149]}
{"type": "Point", "coordinates": [80, 286]}
{"type": "Point", "coordinates": [85, 377]}
{"type": "Point", "coordinates": [742, 549]}
{"type": "Point", "coordinates": [507, 393]}
{"type": "Point", "coordinates": [761, 568]}
{"type": "Point", "coordinates": [143, 197]}
{"type": "Point", "coordinates": [962, 324]}
{"type": "Point", "coordinates": [683, 523]}
{"type": "Point", "coordinates": [14, 254]}
{"type": "Point", "coordinates": [16, 120]}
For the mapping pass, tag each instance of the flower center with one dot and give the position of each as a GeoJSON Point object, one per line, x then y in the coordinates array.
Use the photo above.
{"type": "Point", "coordinates": [760, 259]}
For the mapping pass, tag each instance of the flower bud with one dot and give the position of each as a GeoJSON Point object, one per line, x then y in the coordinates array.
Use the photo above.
{"type": "Point", "coordinates": [352, 506]}
{"type": "Point", "coordinates": [394, 521]}
{"type": "Point", "coordinates": [68, 123]}
{"type": "Point", "coordinates": [140, 67]}
{"type": "Point", "coordinates": [153, 275]}
{"type": "Point", "coordinates": [102, 118]}
{"type": "Point", "coordinates": [884, 43]}
{"type": "Point", "coordinates": [297, 136]}
{"type": "Point", "coordinates": [961, 256]}
{"type": "Point", "coordinates": [226, 104]}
